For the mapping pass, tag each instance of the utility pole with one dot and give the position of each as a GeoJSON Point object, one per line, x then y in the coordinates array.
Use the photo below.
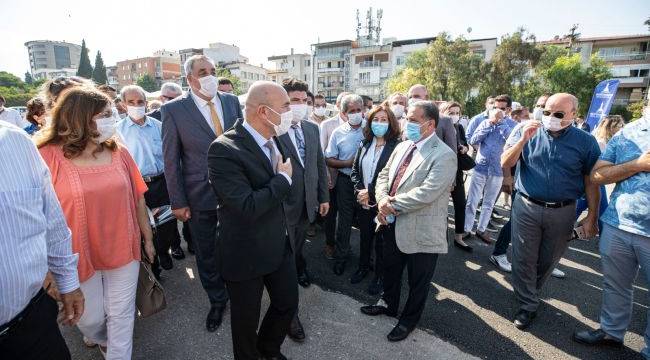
{"type": "Point", "coordinates": [573, 36]}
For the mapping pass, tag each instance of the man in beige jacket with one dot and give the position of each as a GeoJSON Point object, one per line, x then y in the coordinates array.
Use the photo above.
{"type": "Point", "coordinates": [412, 193]}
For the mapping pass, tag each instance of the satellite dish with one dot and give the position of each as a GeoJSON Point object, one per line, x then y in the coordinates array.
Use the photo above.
{"type": "Point", "coordinates": [469, 29]}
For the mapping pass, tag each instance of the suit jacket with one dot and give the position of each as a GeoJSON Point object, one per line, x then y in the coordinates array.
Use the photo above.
{"type": "Point", "coordinates": [251, 232]}
{"type": "Point", "coordinates": [447, 133]}
{"type": "Point", "coordinates": [186, 138]}
{"type": "Point", "coordinates": [358, 171]}
{"type": "Point", "coordinates": [309, 183]}
{"type": "Point", "coordinates": [422, 196]}
{"type": "Point", "coordinates": [156, 114]}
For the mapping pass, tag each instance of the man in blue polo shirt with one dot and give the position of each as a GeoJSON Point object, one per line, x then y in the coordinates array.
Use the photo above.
{"type": "Point", "coordinates": [625, 240]}
{"type": "Point", "coordinates": [553, 161]}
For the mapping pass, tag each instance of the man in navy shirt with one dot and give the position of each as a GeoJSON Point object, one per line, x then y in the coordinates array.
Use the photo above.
{"type": "Point", "coordinates": [554, 160]}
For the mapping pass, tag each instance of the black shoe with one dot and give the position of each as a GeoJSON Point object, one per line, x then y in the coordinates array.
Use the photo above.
{"type": "Point", "coordinates": [311, 231]}
{"type": "Point", "coordinates": [358, 275]}
{"type": "Point", "coordinates": [463, 247]}
{"type": "Point", "coordinates": [375, 310]}
{"type": "Point", "coordinates": [190, 249]}
{"type": "Point", "coordinates": [178, 253]}
{"type": "Point", "coordinates": [376, 286]}
{"type": "Point", "coordinates": [304, 280]}
{"type": "Point", "coordinates": [523, 318]}
{"type": "Point", "coordinates": [279, 357]}
{"type": "Point", "coordinates": [165, 261]}
{"type": "Point", "coordinates": [399, 333]}
{"type": "Point", "coordinates": [156, 272]}
{"type": "Point", "coordinates": [296, 331]}
{"type": "Point", "coordinates": [596, 337]}
{"type": "Point", "coordinates": [215, 316]}
{"type": "Point", "coordinates": [497, 216]}
{"type": "Point", "coordinates": [339, 268]}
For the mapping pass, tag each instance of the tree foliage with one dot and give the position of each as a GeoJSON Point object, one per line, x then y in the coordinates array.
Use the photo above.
{"type": "Point", "coordinates": [99, 72]}
{"type": "Point", "coordinates": [85, 69]}
{"type": "Point", "coordinates": [236, 83]}
{"type": "Point", "coordinates": [147, 82]}
{"type": "Point", "coordinates": [16, 91]}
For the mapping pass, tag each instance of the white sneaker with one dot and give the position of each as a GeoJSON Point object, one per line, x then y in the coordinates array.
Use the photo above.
{"type": "Point", "coordinates": [558, 273]}
{"type": "Point", "coordinates": [501, 261]}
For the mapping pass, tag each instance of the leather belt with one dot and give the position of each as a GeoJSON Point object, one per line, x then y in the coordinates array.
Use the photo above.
{"type": "Point", "coordinates": [149, 179]}
{"type": "Point", "coordinates": [553, 205]}
{"type": "Point", "coordinates": [6, 328]}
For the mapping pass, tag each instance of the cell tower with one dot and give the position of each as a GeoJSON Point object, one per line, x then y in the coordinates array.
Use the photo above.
{"type": "Point", "coordinates": [372, 28]}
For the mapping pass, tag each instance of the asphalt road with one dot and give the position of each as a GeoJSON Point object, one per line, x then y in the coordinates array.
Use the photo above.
{"type": "Point", "coordinates": [468, 314]}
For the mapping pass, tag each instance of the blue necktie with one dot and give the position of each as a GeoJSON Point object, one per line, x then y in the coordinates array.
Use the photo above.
{"type": "Point", "coordinates": [300, 141]}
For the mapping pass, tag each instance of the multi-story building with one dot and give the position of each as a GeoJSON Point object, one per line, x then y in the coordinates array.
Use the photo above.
{"type": "Point", "coordinates": [331, 73]}
{"type": "Point", "coordinates": [163, 66]}
{"type": "Point", "coordinates": [51, 59]}
{"type": "Point", "coordinates": [246, 73]}
{"type": "Point", "coordinates": [629, 57]}
{"type": "Point", "coordinates": [294, 65]}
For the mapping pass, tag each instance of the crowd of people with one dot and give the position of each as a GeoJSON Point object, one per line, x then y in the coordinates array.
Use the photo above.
{"type": "Point", "coordinates": [251, 182]}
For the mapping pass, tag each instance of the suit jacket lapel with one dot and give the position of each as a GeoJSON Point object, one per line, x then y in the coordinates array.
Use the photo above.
{"type": "Point", "coordinates": [249, 142]}
{"type": "Point", "coordinates": [196, 115]}
{"type": "Point", "coordinates": [288, 144]}
{"type": "Point", "coordinates": [418, 158]}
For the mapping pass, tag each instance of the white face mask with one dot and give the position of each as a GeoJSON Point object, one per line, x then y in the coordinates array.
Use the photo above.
{"type": "Point", "coordinates": [398, 110]}
{"type": "Point", "coordinates": [455, 118]}
{"type": "Point", "coordinates": [355, 119]}
{"type": "Point", "coordinates": [286, 119]}
{"type": "Point", "coordinates": [320, 111]}
{"type": "Point", "coordinates": [552, 123]}
{"type": "Point", "coordinates": [136, 112]}
{"type": "Point", "coordinates": [105, 128]}
{"type": "Point", "coordinates": [299, 112]}
{"type": "Point", "coordinates": [209, 85]}
{"type": "Point", "coordinates": [538, 114]}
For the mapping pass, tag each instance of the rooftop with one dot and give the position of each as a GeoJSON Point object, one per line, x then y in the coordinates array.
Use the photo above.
{"type": "Point", "coordinates": [637, 37]}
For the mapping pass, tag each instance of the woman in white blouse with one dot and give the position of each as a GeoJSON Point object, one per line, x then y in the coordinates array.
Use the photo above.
{"type": "Point", "coordinates": [381, 135]}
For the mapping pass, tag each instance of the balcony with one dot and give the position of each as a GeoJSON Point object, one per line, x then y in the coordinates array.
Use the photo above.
{"type": "Point", "coordinates": [634, 81]}
{"type": "Point", "coordinates": [370, 64]}
{"type": "Point", "coordinates": [625, 56]}
{"type": "Point", "coordinates": [330, 70]}
{"type": "Point", "coordinates": [330, 85]}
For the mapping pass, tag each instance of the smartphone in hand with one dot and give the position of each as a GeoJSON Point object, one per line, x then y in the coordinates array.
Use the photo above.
{"type": "Point", "coordinates": [579, 233]}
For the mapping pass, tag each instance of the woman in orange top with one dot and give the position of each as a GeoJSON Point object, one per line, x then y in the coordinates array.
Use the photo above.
{"type": "Point", "coordinates": [101, 193]}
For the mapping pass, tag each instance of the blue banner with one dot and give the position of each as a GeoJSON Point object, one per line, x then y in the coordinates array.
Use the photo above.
{"type": "Point", "coordinates": [602, 101]}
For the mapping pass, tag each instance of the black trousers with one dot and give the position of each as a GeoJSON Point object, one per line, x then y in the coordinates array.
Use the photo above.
{"type": "Point", "coordinates": [297, 234]}
{"type": "Point", "coordinates": [37, 336]}
{"type": "Point", "coordinates": [245, 303]}
{"type": "Point", "coordinates": [459, 200]}
{"type": "Point", "coordinates": [330, 219]}
{"type": "Point", "coordinates": [203, 225]}
{"type": "Point", "coordinates": [157, 196]}
{"type": "Point", "coordinates": [346, 203]}
{"type": "Point", "coordinates": [176, 241]}
{"type": "Point", "coordinates": [505, 236]}
{"type": "Point", "coordinates": [367, 234]}
{"type": "Point", "coordinates": [420, 267]}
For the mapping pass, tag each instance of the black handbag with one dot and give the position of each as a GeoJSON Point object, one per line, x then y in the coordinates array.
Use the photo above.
{"type": "Point", "coordinates": [465, 162]}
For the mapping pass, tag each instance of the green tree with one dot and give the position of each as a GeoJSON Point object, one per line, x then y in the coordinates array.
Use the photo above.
{"type": "Point", "coordinates": [85, 69]}
{"type": "Point", "coordinates": [99, 72]}
{"type": "Point", "coordinates": [568, 74]}
{"type": "Point", "coordinates": [11, 81]}
{"type": "Point", "coordinates": [236, 83]}
{"type": "Point", "coordinates": [635, 109]}
{"type": "Point", "coordinates": [28, 78]}
{"type": "Point", "coordinates": [147, 82]}
{"type": "Point", "coordinates": [447, 67]}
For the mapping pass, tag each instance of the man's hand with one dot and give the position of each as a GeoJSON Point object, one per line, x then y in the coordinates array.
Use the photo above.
{"type": "Point", "coordinates": [385, 206]}
{"type": "Point", "coordinates": [496, 117]}
{"type": "Point", "coordinates": [285, 166]}
{"type": "Point", "coordinates": [50, 286]}
{"type": "Point", "coordinates": [183, 214]}
{"type": "Point", "coordinates": [463, 149]}
{"type": "Point", "coordinates": [149, 250]}
{"type": "Point", "coordinates": [644, 161]}
{"type": "Point", "coordinates": [507, 184]}
{"type": "Point", "coordinates": [350, 162]}
{"type": "Point", "coordinates": [382, 219]}
{"type": "Point", "coordinates": [323, 209]}
{"type": "Point", "coordinates": [590, 225]}
{"type": "Point", "coordinates": [363, 197]}
{"type": "Point", "coordinates": [529, 130]}
{"type": "Point", "coordinates": [73, 307]}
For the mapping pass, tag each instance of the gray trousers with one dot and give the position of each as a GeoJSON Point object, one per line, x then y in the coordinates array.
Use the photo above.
{"type": "Point", "coordinates": [539, 238]}
{"type": "Point", "coordinates": [622, 252]}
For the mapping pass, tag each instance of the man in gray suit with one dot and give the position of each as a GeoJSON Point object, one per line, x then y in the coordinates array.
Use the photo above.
{"type": "Point", "coordinates": [309, 192]}
{"type": "Point", "coordinates": [412, 193]}
{"type": "Point", "coordinates": [190, 124]}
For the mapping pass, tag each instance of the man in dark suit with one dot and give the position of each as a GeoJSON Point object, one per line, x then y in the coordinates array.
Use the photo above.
{"type": "Point", "coordinates": [251, 180]}
{"type": "Point", "coordinates": [309, 193]}
{"type": "Point", "coordinates": [190, 123]}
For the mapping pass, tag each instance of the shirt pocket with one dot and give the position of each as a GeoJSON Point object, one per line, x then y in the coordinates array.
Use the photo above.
{"type": "Point", "coordinates": [22, 212]}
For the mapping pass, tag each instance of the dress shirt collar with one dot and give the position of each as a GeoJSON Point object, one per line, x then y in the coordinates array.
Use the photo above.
{"type": "Point", "coordinates": [420, 144]}
{"type": "Point", "coordinates": [299, 123]}
{"type": "Point", "coordinates": [147, 122]}
{"type": "Point", "coordinates": [259, 139]}
{"type": "Point", "coordinates": [202, 103]}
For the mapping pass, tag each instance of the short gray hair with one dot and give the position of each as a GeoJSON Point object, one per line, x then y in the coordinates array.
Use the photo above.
{"type": "Point", "coordinates": [430, 109]}
{"type": "Point", "coordinates": [349, 100]}
{"type": "Point", "coordinates": [189, 63]}
{"type": "Point", "coordinates": [130, 88]}
{"type": "Point", "coordinates": [172, 87]}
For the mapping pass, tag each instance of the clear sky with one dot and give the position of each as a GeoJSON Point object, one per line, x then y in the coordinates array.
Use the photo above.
{"type": "Point", "coordinates": [127, 29]}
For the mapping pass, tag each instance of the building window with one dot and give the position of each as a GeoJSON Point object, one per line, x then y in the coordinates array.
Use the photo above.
{"type": "Point", "coordinates": [293, 63]}
{"type": "Point", "coordinates": [305, 78]}
{"type": "Point", "coordinates": [61, 57]}
{"type": "Point", "coordinates": [644, 72]}
{"type": "Point", "coordinates": [307, 63]}
{"type": "Point", "coordinates": [364, 78]}
{"type": "Point", "coordinates": [139, 65]}
{"type": "Point", "coordinates": [399, 60]}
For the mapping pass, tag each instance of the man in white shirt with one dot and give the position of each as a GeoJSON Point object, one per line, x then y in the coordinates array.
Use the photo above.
{"type": "Point", "coordinates": [10, 115]}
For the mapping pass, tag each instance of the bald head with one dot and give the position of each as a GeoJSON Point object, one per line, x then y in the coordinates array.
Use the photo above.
{"type": "Point", "coordinates": [563, 102]}
{"type": "Point", "coordinates": [418, 91]}
{"type": "Point", "coordinates": [265, 102]}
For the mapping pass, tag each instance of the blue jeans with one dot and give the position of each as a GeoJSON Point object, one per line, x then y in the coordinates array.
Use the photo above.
{"type": "Point", "coordinates": [582, 206]}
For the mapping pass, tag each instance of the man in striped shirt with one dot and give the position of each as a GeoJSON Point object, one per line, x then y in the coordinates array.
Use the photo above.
{"type": "Point", "coordinates": [34, 239]}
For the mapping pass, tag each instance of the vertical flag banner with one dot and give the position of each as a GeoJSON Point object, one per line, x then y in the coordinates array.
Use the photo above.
{"type": "Point", "coordinates": [602, 101]}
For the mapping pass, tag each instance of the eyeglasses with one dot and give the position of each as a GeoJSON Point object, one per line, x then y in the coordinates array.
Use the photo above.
{"type": "Point", "coordinates": [557, 114]}
{"type": "Point", "coordinates": [168, 97]}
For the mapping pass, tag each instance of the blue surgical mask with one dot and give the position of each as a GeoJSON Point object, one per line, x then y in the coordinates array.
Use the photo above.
{"type": "Point", "coordinates": [379, 129]}
{"type": "Point", "coordinates": [413, 131]}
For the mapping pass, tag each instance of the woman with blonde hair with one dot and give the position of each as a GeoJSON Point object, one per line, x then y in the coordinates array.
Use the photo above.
{"type": "Point", "coordinates": [101, 193]}
{"type": "Point", "coordinates": [607, 128]}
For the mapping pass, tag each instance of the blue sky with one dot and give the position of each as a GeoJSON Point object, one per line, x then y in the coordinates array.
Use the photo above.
{"type": "Point", "coordinates": [129, 29]}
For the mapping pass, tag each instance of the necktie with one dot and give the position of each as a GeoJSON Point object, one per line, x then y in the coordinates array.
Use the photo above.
{"type": "Point", "coordinates": [300, 141]}
{"type": "Point", "coordinates": [218, 130]}
{"type": "Point", "coordinates": [401, 170]}
{"type": "Point", "coordinates": [274, 157]}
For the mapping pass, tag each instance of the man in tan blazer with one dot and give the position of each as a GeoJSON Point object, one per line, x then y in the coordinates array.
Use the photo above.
{"type": "Point", "coordinates": [412, 193]}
